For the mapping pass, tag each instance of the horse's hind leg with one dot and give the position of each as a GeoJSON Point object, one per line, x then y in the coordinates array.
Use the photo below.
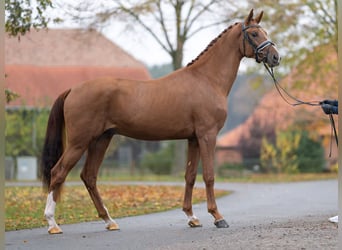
{"type": "Point", "coordinates": [190, 178]}
{"type": "Point", "coordinates": [96, 151]}
{"type": "Point", "coordinates": [58, 175]}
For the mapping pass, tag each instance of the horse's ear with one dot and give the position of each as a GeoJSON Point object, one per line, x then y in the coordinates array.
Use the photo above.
{"type": "Point", "coordinates": [249, 18]}
{"type": "Point", "coordinates": [259, 17]}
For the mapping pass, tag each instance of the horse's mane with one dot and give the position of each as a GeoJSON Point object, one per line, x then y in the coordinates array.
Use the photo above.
{"type": "Point", "coordinates": [210, 44]}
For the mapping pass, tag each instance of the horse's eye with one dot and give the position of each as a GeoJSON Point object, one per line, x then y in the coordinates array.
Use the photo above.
{"type": "Point", "coordinates": [254, 34]}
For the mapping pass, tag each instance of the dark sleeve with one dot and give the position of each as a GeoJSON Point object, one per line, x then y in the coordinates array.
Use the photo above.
{"type": "Point", "coordinates": [335, 109]}
{"type": "Point", "coordinates": [329, 108]}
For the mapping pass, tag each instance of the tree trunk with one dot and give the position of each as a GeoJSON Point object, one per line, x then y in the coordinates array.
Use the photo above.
{"type": "Point", "coordinates": [180, 150]}
{"type": "Point", "coordinates": [177, 59]}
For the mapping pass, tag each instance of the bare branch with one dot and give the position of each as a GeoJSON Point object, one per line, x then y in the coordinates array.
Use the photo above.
{"type": "Point", "coordinates": [187, 18]}
{"type": "Point", "coordinates": [200, 13]}
{"type": "Point", "coordinates": [163, 26]}
{"type": "Point", "coordinates": [144, 25]}
{"type": "Point", "coordinates": [203, 27]}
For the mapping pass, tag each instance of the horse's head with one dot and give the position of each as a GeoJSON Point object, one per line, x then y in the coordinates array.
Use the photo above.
{"type": "Point", "coordinates": [255, 42]}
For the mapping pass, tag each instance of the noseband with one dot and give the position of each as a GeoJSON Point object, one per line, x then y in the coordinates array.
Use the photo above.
{"type": "Point", "coordinates": [257, 48]}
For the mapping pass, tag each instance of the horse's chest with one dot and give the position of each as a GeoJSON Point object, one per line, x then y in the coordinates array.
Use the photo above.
{"type": "Point", "coordinates": [211, 116]}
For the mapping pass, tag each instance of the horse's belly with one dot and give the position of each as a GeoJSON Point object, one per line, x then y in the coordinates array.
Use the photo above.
{"type": "Point", "coordinates": [159, 129]}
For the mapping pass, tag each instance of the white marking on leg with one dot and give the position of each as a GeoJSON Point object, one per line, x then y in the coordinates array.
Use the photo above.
{"type": "Point", "coordinates": [109, 222]}
{"type": "Point", "coordinates": [193, 221]}
{"type": "Point", "coordinates": [192, 218]}
{"type": "Point", "coordinates": [50, 211]}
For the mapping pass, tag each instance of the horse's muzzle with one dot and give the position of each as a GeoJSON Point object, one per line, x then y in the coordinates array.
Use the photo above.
{"type": "Point", "coordinates": [272, 57]}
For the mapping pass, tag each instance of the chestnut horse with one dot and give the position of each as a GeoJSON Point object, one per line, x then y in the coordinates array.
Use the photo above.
{"type": "Point", "coordinates": [190, 103]}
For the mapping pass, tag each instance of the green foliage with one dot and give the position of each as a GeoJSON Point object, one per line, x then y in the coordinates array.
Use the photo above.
{"type": "Point", "coordinates": [25, 132]}
{"type": "Point", "coordinates": [311, 154]}
{"type": "Point", "coordinates": [268, 154]}
{"type": "Point", "coordinates": [293, 152]}
{"type": "Point", "coordinates": [287, 143]}
{"type": "Point", "coordinates": [299, 26]}
{"type": "Point", "coordinates": [10, 95]}
{"type": "Point", "coordinates": [161, 161]}
{"type": "Point", "coordinates": [231, 170]}
{"type": "Point", "coordinates": [22, 15]}
{"type": "Point", "coordinates": [157, 71]}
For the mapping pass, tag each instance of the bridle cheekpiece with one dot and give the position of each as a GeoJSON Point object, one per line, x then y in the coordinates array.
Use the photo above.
{"type": "Point", "coordinates": [257, 48]}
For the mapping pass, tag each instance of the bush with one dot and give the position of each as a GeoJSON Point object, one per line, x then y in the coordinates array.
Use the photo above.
{"type": "Point", "coordinates": [25, 131]}
{"type": "Point", "coordinates": [161, 161]}
{"type": "Point", "coordinates": [310, 154]}
{"type": "Point", "coordinates": [231, 170]}
{"type": "Point", "coordinates": [294, 151]}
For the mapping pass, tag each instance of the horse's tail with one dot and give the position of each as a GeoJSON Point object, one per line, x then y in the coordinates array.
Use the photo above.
{"type": "Point", "coordinates": [53, 145]}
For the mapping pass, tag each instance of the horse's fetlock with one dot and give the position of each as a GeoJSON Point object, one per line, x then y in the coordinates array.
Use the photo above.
{"type": "Point", "coordinates": [48, 215]}
{"type": "Point", "coordinates": [212, 210]}
{"type": "Point", "coordinates": [187, 209]}
{"type": "Point", "coordinates": [103, 216]}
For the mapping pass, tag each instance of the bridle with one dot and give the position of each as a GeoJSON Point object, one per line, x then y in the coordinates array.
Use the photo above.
{"type": "Point", "coordinates": [257, 48]}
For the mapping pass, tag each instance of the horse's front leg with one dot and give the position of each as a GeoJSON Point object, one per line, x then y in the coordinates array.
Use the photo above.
{"type": "Point", "coordinates": [207, 151]}
{"type": "Point", "coordinates": [190, 178]}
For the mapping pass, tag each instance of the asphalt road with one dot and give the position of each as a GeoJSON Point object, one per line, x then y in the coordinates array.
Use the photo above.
{"type": "Point", "coordinates": [261, 216]}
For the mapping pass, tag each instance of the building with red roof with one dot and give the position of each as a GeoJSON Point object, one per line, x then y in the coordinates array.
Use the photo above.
{"type": "Point", "coordinates": [42, 64]}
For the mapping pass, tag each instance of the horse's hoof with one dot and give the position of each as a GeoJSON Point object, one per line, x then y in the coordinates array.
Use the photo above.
{"type": "Point", "coordinates": [194, 223]}
{"type": "Point", "coordinates": [221, 224]}
{"type": "Point", "coordinates": [55, 230]}
{"type": "Point", "coordinates": [112, 227]}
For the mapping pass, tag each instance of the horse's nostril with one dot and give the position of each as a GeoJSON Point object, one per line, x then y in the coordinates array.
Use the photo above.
{"type": "Point", "coordinates": [276, 59]}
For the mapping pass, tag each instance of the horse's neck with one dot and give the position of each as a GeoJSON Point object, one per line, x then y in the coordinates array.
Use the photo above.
{"type": "Point", "coordinates": [220, 63]}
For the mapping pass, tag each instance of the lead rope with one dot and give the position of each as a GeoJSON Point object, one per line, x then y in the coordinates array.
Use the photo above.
{"type": "Point", "coordinates": [297, 102]}
{"type": "Point", "coordinates": [333, 128]}
{"type": "Point", "coordinates": [280, 89]}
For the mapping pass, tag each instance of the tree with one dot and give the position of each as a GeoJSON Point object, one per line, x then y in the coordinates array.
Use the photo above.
{"type": "Point", "coordinates": [170, 23]}
{"type": "Point", "coordinates": [22, 15]}
{"type": "Point", "coordinates": [298, 26]}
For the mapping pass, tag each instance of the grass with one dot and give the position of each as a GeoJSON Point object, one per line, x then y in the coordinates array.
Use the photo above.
{"type": "Point", "coordinates": [250, 178]}
{"type": "Point", "coordinates": [24, 206]}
